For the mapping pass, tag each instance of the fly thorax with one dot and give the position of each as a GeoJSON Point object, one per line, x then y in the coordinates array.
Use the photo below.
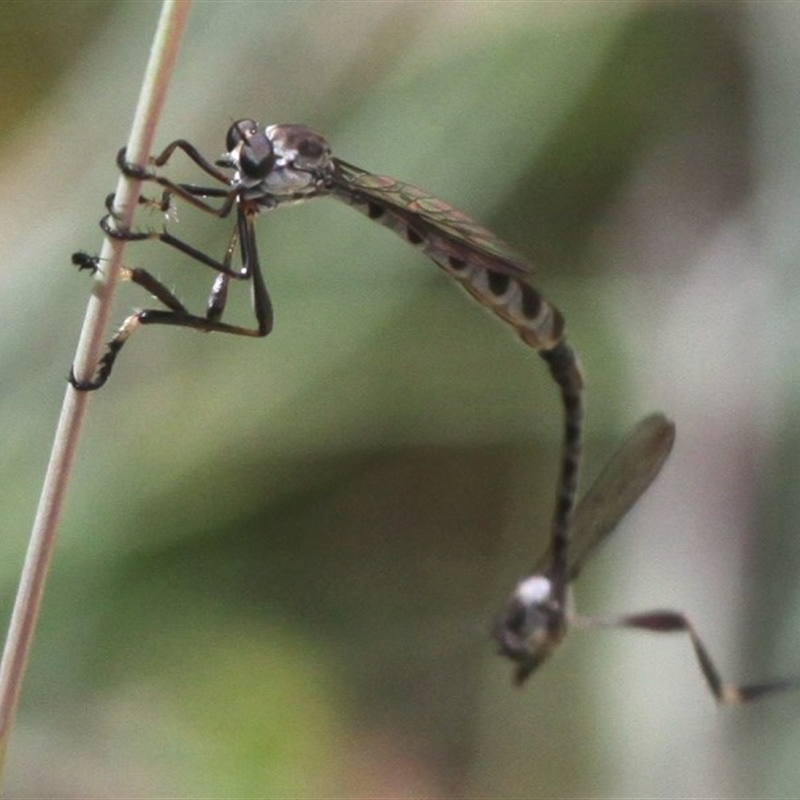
{"type": "Point", "coordinates": [302, 161]}
{"type": "Point", "coordinates": [283, 185]}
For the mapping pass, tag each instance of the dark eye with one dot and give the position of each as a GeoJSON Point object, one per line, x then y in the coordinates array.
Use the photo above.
{"type": "Point", "coordinates": [241, 130]}
{"type": "Point", "coordinates": [256, 158]}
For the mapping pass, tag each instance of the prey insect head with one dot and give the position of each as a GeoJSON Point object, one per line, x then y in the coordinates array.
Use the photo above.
{"type": "Point", "coordinates": [531, 625]}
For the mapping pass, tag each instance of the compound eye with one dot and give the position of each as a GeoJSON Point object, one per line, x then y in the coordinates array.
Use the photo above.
{"type": "Point", "coordinates": [240, 131]}
{"type": "Point", "coordinates": [256, 157]}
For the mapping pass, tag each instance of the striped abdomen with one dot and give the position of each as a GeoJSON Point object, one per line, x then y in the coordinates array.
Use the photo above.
{"type": "Point", "coordinates": [538, 323]}
{"type": "Point", "coordinates": [498, 279]}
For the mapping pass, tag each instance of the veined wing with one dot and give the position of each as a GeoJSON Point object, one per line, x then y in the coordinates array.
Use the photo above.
{"type": "Point", "coordinates": [623, 480]}
{"type": "Point", "coordinates": [432, 220]}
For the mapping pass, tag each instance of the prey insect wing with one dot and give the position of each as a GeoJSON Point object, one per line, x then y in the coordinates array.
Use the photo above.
{"type": "Point", "coordinates": [623, 480]}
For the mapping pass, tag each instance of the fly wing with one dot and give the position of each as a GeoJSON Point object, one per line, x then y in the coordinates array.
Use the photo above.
{"type": "Point", "coordinates": [433, 220]}
{"type": "Point", "coordinates": [623, 480]}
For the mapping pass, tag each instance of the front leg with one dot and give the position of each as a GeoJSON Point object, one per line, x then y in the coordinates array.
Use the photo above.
{"type": "Point", "coordinates": [187, 192]}
{"type": "Point", "coordinates": [167, 238]}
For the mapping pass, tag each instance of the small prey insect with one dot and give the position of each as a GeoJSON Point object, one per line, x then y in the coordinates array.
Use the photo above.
{"type": "Point", "coordinates": [537, 616]}
{"type": "Point", "coordinates": [276, 165]}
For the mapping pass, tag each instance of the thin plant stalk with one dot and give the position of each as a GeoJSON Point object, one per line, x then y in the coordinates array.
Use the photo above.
{"type": "Point", "coordinates": [43, 534]}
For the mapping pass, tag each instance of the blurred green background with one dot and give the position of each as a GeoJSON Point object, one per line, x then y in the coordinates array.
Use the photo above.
{"type": "Point", "coordinates": [279, 560]}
